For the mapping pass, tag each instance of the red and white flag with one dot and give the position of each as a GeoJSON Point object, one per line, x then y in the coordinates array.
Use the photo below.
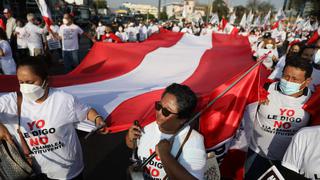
{"type": "Point", "coordinates": [122, 81]}
{"type": "Point", "coordinates": [45, 12]}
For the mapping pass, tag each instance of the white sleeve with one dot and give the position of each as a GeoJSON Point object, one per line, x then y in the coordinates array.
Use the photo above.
{"type": "Point", "coordinates": [293, 157]}
{"type": "Point", "coordinates": [193, 159]}
{"type": "Point", "coordinates": [80, 31]}
{"type": "Point", "coordinates": [276, 73]}
{"type": "Point", "coordinates": [5, 99]}
{"type": "Point", "coordinates": [80, 110]}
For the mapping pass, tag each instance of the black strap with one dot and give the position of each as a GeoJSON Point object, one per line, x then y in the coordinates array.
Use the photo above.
{"type": "Point", "coordinates": [180, 149]}
{"type": "Point", "coordinates": [25, 148]}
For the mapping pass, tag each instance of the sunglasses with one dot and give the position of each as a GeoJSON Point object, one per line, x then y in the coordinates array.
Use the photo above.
{"type": "Point", "coordinates": [165, 112]}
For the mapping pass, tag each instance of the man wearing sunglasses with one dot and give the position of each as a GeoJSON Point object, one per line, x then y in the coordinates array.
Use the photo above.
{"type": "Point", "coordinates": [172, 111]}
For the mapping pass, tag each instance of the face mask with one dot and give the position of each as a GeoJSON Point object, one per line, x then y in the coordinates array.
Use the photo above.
{"type": "Point", "coordinates": [289, 88]}
{"type": "Point", "coordinates": [65, 21]}
{"type": "Point", "coordinates": [100, 24]}
{"type": "Point", "coordinates": [316, 57]}
{"type": "Point", "coordinates": [269, 46]}
{"type": "Point", "coordinates": [31, 91]}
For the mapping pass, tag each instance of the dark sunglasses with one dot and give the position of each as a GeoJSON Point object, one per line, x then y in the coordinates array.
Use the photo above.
{"type": "Point", "coordinates": [165, 112]}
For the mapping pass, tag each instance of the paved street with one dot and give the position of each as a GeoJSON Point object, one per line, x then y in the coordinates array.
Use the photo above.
{"type": "Point", "coordinates": [105, 156]}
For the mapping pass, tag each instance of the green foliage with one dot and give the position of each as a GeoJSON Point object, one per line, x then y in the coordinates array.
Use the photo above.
{"type": "Point", "coordinates": [100, 4]}
{"type": "Point", "coordinates": [240, 10]}
{"type": "Point", "coordinates": [163, 16]}
{"type": "Point", "coordinates": [220, 7]}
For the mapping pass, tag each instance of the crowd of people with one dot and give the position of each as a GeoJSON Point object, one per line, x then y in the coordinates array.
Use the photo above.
{"type": "Point", "coordinates": [279, 135]}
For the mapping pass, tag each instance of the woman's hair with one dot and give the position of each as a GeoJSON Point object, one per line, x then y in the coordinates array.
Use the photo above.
{"type": "Point", "coordinates": [37, 65]}
{"type": "Point", "coordinates": [186, 99]}
{"type": "Point", "coordinates": [3, 35]}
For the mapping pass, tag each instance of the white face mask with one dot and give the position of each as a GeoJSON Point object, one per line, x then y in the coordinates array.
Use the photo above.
{"type": "Point", "coordinates": [65, 21]}
{"type": "Point", "coordinates": [100, 24]}
{"type": "Point", "coordinates": [269, 46]}
{"type": "Point", "coordinates": [31, 91]}
{"type": "Point", "coordinates": [316, 57]}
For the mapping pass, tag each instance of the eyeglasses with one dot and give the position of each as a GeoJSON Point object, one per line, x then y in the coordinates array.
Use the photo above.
{"type": "Point", "coordinates": [165, 112]}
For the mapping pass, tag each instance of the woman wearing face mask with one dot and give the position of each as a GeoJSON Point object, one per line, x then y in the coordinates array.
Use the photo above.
{"type": "Point", "coordinates": [6, 61]}
{"type": "Point", "coordinates": [122, 34]}
{"type": "Point", "coordinates": [109, 36]}
{"type": "Point", "coordinates": [48, 118]}
{"type": "Point", "coordinates": [268, 48]}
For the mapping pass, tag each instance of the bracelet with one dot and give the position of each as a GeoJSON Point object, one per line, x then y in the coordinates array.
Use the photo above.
{"type": "Point", "coordinates": [95, 119]}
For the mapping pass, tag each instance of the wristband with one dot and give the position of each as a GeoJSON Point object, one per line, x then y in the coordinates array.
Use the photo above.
{"type": "Point", "coordinates": [95, 119]}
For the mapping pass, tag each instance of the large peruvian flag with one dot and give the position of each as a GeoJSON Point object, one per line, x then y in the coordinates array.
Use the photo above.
{"type": "Point", "coordinates": [122, 81]}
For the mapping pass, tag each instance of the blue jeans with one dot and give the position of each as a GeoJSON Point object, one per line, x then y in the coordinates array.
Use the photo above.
{"type": "Point", "coordinates": [70, 59]}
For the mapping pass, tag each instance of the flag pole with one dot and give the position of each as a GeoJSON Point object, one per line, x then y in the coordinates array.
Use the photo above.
{"type": "Point", "coordinates": [153, 155]}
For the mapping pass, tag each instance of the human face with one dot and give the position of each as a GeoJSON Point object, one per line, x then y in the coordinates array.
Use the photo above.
{"type": "Point", "coordinates": [296, 75]}
{"type": "Point", "coordinates": [171, 123]}
{"type": "Point", "coordinates": [295, 49]}
{"type": "Point", "coordinates": [7, 15]}
{"type": "Point", "coordinates": [26, 76]}
{"type": "Point", "coordinates": [308, 54]}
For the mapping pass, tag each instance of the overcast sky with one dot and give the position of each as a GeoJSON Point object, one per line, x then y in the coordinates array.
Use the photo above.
{"type": "Point", "coordinates": [116, 3]}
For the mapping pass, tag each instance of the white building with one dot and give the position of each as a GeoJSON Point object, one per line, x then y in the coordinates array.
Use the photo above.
{"type": "Point", "coordinates": [78, 2]}
{"type": "Point", "coordinates": [184, 9]}
{"type": "Point", "coordinates": [142, 8]}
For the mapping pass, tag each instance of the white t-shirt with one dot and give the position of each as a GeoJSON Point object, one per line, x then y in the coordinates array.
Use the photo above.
{"type": "Point", "coordinates": [186, 30]}
{"type": "Point", "coordinates": [100, 31]}
{"type": "Point", "coordinates": [268, 62]}
{"type": "Point", "coordinates": [192, 158]}
{"type": "Point", "coordinates": [122, 35]}
{"type": "Point", "coordinates": [49, 130]}
{"type": "Point", "coordinates": [277, 122]}
{"type": "Point", "coordinates": [7, 63]}
{"type": "Point", "coordinates": [143, 33]}
{"type": "Point", "coordinates": [303, 153]}
{"type": "Point", "coordinates": [21, 38]}
{"type": "Point", "coordinates": [315, 79]}
{"type": "Point", "coordinates": [69, 35]}
{"type": "Point", "coordinates": [176, 29]}
{"type": "Point", "coordinates": [33, 36]}
{"type": "Point", "coordinates": [132, 34]}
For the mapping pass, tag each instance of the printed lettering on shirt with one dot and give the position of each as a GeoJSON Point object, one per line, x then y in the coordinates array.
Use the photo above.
{"type": "Point", "coordinates": [38, 139]}
{"type": "Point", "coordinates": [153, 169]}
{"type": "Point", "coordinates": [67, 34]}
{"type": "Point", "coordinates": [283, 122]}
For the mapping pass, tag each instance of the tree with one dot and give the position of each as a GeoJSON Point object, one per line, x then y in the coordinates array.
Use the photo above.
{"type": "Point", "coordinates": [220, 7]}
{"type": "Point", "coordinates": [260, 7]}
{"type": "Point", "coordinates": [163, 16]}
{"type": "Point", "coordinates": [240, 10]}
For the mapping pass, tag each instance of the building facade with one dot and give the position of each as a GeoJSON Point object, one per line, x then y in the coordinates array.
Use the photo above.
{"type": "Point", "coordinates": [141, 8]}
{"type": "Point", "coordinates": [185, 9]}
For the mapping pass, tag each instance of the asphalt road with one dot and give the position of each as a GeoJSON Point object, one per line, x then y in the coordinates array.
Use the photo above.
{"type": "Point", "coordinates": [105, 156]}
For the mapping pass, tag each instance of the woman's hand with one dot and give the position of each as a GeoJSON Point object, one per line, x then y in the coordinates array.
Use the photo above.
{"type": "Point", "coordinates": [163, 148]}
{"type": "Point", "coordinates": [99, 121]}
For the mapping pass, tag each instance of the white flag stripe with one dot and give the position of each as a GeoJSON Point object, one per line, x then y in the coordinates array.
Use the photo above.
{"type": "Point", "coordinates": [158, 69]}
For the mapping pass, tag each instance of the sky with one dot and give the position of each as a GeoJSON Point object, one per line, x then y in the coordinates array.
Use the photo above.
{"type": "Point", "coordinates": [116, 3]}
